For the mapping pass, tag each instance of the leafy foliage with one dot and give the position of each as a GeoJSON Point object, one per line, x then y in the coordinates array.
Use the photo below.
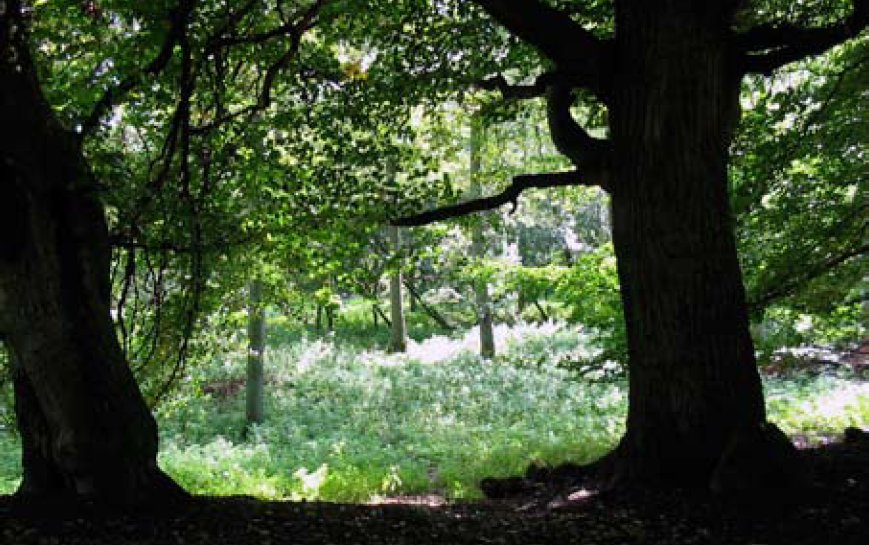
{"type": "Point", "coordinates": [799, 162]}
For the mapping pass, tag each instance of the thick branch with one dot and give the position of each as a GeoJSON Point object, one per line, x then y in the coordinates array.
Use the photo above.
{"type": "Point", "coordinates": [178, 18]}
{"type": "Point", "coordinates": [767, 47]}
{"type": "Point", "coordinates": [584, 151]}
{"type": "Point", "coordinates": [569, 137]}
{"type": "Point", "coordinates": [560, 77]}
{"type": "Point", "coordinates": [575, 50]}
{"type": "Point", "coordinates": [509, 195]}
{"type": "Point", "coordinates": [549, 30]}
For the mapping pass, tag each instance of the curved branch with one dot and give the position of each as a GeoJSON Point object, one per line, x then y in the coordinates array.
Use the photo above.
{"type": "Point", "coordinates": [560, 77]}
{"type": "Point", "coordinates": [509, 195]}
{"type": "Point", "coordinates": [304, 22]}
{"type": "Point", "coordinates": [767, 47]}
{"type": "Point", "coordinates": [569, 137]}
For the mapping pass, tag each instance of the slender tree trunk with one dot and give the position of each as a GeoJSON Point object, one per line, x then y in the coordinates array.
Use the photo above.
{"type": "Point", "coordinates": [431, 311]}
{"type": "Point", "coordinates": [256, 334]}
{"type": "Point", "coordinates": [85, 428]}
{"type": "Point", "coordinates": [398, 337]}
{"type": "Point", "coordinates": [478, 246]}
{"type": "Point", "coordinates": [521, 297]}
{"type": "Point", "coordinates": [696, 404]}
{"type": "Point", "coordinates": [379, 312]}
{"type": "Point", "coordinates": [413, 302]}
{"type": "Point", "coordinates": [330, 318]}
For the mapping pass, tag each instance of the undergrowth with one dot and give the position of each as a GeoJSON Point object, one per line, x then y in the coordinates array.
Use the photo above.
{"type": "Point", "coordinates": [349, 423]}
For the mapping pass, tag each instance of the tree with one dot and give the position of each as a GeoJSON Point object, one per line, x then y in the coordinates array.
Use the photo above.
{"type": "Point", "coordinates": [85, 428]}
{"type": "Point", "coordinates": [669, 74]}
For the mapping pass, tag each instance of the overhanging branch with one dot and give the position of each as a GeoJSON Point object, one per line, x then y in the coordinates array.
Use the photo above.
{"type": "Point", "coordinates": [765, 48]}
{"type": "Point", "coordinates": [509, 195]}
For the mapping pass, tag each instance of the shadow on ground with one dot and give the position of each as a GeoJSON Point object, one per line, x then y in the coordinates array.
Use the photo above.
{"type": "Point", "coordinates": [833, 511]}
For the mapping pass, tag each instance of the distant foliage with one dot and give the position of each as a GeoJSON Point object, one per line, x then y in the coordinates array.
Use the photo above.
{"type": "Point", "coordinates": [585, 292]}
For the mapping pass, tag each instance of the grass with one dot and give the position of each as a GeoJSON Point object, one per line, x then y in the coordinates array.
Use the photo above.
{"type": "Point", "coordinates": [350, 423]}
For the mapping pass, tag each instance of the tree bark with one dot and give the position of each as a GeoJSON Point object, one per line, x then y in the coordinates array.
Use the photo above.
{"type": "Point", "coordinates": [694, 385]}
{"type": "Point", "coordinates": [256, 334]}
{"type": "Point", "coordinates": [85, 428]}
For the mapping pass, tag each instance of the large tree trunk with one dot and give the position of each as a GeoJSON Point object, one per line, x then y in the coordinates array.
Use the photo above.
{"type": "Point", "coordinates": [85, 428]}
{"type": "Point", "coordinates": [696, 402]}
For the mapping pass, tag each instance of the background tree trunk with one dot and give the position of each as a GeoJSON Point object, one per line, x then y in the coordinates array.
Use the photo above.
{"type": "Point", "coordinates": [85, 428]}
{"type": "Point", "coordinates": [398, 334]}
{"type": "Point", "coordinates": [694, 385]}
{"type": "Point", "coordinates": [256, 334]}
{"type": "Point", "coordinates": [478, 244]}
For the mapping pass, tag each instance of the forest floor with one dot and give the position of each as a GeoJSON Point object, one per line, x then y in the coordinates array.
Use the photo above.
{"type": "Point", "coordinates": [833, 511]}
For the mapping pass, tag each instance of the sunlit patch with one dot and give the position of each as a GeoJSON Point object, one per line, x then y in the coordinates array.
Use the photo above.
{"type": "Point", "coordinates": [582, 494]}
{"type": "Point", "coordinates": [836, 404]}
{"type": "Point", "coordinates": [426, 500]}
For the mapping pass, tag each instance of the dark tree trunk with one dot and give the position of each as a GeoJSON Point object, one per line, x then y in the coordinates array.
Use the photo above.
{"type": "Point", "coordinates": [694, 387]}
{"type": "Point", "coordinates": [85, 428]}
